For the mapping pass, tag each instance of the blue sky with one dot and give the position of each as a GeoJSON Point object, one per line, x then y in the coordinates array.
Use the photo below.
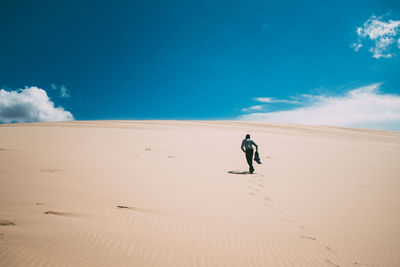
{"type": "Point", "coordinates": [193, 59]}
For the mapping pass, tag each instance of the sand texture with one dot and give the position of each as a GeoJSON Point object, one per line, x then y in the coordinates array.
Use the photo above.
{"type": "Point", "coordinates": [176, 193]}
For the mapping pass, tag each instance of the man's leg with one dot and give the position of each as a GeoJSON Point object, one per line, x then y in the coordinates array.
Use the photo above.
{"type": "Point", "coordinates": [249, 158]}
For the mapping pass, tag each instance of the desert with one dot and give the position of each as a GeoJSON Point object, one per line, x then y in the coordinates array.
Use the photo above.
{"type": "Point", "coordinates": [178, 193]}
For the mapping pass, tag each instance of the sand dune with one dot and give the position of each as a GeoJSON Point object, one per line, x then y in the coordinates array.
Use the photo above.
{"type": "Point", "coordinates": [177, 193]}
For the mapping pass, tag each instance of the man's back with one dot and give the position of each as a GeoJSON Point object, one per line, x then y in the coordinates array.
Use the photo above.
{"type": "Point", "coordinates": [248, 144]}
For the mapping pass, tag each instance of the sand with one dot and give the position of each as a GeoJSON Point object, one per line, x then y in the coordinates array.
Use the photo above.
{"type": "Point", "coordinates": [173, 193]}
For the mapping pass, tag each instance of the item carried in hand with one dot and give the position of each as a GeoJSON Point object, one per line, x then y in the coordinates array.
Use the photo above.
{"type": "Point", "coordinates": [257, 158]}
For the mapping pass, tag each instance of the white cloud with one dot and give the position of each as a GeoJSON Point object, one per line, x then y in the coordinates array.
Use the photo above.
{"type": "Point", "coordinates": [267, 100]}
{"type": "Point", "coordinates": [253, 108]}
{"type": "Point", "coordinates": [272, 100]}
{"type": "Point", "coordinates": [381, 33]}
{"type": "Point", "coordinates": [363, 107]}
{"type": "Point", "coordinates": [30, 105]}
{"type": "Point", "coordinates": [64, 92]}
{"type": "Point", "coordinates": [356, 46]}
{"type": "Point", "coordinates": [264, 27]}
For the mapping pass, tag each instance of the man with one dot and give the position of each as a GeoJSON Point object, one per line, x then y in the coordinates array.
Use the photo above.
{"type": "Point", "coordinates": [247, 147]}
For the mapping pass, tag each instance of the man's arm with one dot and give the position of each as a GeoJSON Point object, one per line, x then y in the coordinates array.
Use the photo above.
{"type": "Point", "coordinates": [255, 145]}
{"type": "Point", "coordinates": [242, 147]}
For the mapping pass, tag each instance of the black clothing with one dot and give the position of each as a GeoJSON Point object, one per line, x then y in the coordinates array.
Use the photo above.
{"type": "Point", "coordinates": [248, 144]}
{"type": "Point", "coordinates": [249, 158]}
{"type": "Point", "coordinates": [257, 158]}
{"type": "Point", "coordinates": [247, 147]}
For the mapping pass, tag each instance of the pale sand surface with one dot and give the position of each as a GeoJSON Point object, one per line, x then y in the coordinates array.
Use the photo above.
{"type": "Point", "coordinates": [324, 196]}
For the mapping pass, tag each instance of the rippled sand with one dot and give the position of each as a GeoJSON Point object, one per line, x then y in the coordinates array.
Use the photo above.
{"type": "Point", "coordinates": [177, 193]}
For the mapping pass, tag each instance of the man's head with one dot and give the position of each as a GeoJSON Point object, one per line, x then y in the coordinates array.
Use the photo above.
{"type": "Point", "coordinates": [247, 136]}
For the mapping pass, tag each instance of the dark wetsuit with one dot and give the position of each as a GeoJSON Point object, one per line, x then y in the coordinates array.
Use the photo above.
{"type": "Point", "coordinates": [247, 147]}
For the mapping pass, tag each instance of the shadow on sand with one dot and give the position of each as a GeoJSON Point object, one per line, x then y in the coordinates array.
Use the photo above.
{"type": "Point", "coordinates": [238, 172]}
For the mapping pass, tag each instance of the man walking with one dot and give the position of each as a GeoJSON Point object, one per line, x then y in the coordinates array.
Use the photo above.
{"type": "Point", "coordinates": [247, 147]}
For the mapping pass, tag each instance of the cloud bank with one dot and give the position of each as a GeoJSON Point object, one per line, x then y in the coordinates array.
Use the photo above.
{"type": "Point", "coordinates": [252, 108]}
{"type": "Point", "coordinates": [267, 100]}
{"type": "Point", "coordinates": [382, 34]}
{"type": "Point", "coordinates": [30, 105]}
{"type": "Point", "coordinates": [364, 107]}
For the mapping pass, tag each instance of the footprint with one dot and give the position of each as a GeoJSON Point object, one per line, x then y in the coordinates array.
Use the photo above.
{"type": "Point", "coordinates": [251, 193]}
{"type": "Point", "coordinates": [51, 170]}
{"type": "Point", "coordinates": [6, 222]}
{"type": "Point", "coordinates": [40, 203]}
{"type": "Point", "coordinates": [135, 209]}
{"type": "Point", "coordinates": [288, 220]}
{"type": "Point", "coordinates": [260, 185]}
{"type": "Point", "coordinates": [61, 213]}
{"type": "Point", "coordinates": [332, 263]}
{"type": "Point", "coordinates": [359, 263]}
{"type": "Point", "coordinates": [308, 237]}
{"type": "Point", "coordinates": [267, 199]}
{"type": "Point", "coordinates": [302, 227]}
{"type": "Point", "coordinates": [156, 150]}
{"type": "Point", "coordinates": [330, 249]}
